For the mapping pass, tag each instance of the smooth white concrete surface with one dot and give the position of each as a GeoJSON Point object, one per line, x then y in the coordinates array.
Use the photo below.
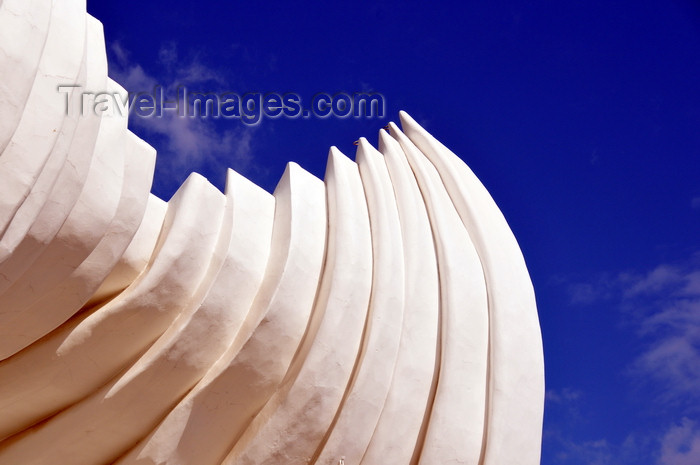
{"type": "Point", "coordinates": [55, 306]}
{"type": "Point", "coordinates": [298, 415]}
{"type": "Point", "coordinates": [43, 115]}
{"type": "Point", "coordinates": [384, 315]}
{"type": "Point", "coordinates": [63, 174]}
{"type": "Point", "coordinates": [137, 255]}
{"type": "Point", "coordinates": [401, 427]}
{"type": "Point", "coordinates": [364, 401]}
{"type": "Point", "coordinates": [37, 220]}
{"type": "Point", "coordinates": [259, 356]}
{"type": "Point", "coordinates": [24, 25]}
{"type": "Point", "coordinates": [516, 366]}
{"type": "Point", "coordinates": [457, 419]}
{"type": "Point", "coordinates": [81, 355]}
{"type": "Point", "coordinates": [44, 262]}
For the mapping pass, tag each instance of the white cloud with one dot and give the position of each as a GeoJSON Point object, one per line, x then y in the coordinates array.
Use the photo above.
{"type": "Point", "coordinates": [675, 363]}
{"type": "Point", "coordinates": [167, 55]}
{"type": "Point", "coordinates": [633, 450]}
{"type": "Point", "coordinates": [586, 293]}
{"type": "Point", "coordinates": [692, 284]}
{"type": "Point", "coordinates": [656, 280]}
{"type": "Point", "coordinates": [135, 79]}
{"type": "Point", "coordinates": [662, 307]}
{"type": "Point", "coordinates": [681, 444]}
{"type": "Point", "coordinates": [192, 140]}
{"type": "Point", "coordinates": [175, 70]}
{"type": "Point", "coordinates": [662, 282]}
{"type": "Point", "coordinates": [121, 55]}
{"type": "Point", "coordinates": [189, 143]}
{"type": "Point", "coordinates": [597, 452]}
{"type": "Point", "coordinates": [561, 396]}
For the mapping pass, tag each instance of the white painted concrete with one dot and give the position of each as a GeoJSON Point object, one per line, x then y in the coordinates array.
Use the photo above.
{"type": "Point", "coordinates": [382, 316]}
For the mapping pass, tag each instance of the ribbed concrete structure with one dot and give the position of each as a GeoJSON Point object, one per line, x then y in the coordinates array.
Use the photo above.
{"type": "Point", "coordinates": [381, 316]}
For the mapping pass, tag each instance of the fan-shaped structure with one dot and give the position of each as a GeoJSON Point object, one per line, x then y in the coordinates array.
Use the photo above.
{"type": "Point", "coordinates": [381, 316]}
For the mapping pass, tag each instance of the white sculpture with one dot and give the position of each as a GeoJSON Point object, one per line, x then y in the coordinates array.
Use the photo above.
{"type": "Point", "coordinates": [382, 317]}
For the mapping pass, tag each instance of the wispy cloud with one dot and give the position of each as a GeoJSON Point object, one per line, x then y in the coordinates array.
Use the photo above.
{"type": "Point", "coordinates": [597, 452]}
{"type": "Point", "coordinates": [660, 279]}
{"type": "Point", "coordinates": [172, 69]}
{"type": "Point", "coordinates": [193, 141]}
{"type": "Point", "coordinates": [681, 444]}
{"type": "Point", "coordinates": [184, 143]}
{"type": "Point", "coordinates": [662, 282]}
{"type": "Point", "coordinates": [562, 396]}
{"type": "Point", "coordinates": [589, 292]}
{"type": "Point", "coordinates": [664, 306]}
{"type": "Point", "coordinates": [567, 411]}
{"type": "Point", "coordinates": [661, 306]}
{"type": "Point", "coordinates": [633, 450]}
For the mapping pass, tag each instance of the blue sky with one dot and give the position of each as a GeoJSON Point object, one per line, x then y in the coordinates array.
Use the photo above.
{"type": "Point", "coordinates": [581, 118]}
